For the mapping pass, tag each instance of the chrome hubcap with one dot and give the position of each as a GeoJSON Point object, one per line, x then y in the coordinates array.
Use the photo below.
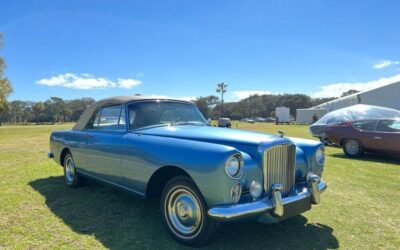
{"type": "Point", "coordinates": [69, 170]}
{"type": "Point", "coordinates": [352, 147]}
{"type": "Point", "coordinates": [184, 212]}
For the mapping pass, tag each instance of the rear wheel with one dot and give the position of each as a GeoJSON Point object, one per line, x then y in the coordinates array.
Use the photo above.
{"type": "Point", "coordinates": [353, 148]}
{"type": "Point", "coordinates": [71, 176]}
{"type": "Point", "coordinates": [185, 212]}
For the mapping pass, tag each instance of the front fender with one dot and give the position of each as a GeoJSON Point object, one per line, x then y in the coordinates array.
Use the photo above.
{"type": "Point", "coordinates": [308, 149]}
{"type": "Point", "coordinates": [143, 155]}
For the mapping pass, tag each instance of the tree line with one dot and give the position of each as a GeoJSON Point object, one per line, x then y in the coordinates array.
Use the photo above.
{"type": "Point", "coordinates": [52, 110]}
{"type": "Point", "coordinates": [57, 109]}
{"type": "Point", "coordinates": [255, 105]}
{"type": "Point", "coordinates": [5, 85]}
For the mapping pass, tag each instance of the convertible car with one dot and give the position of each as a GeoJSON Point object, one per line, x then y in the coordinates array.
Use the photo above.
{"type": "Point", "coordinates": [161, 148]}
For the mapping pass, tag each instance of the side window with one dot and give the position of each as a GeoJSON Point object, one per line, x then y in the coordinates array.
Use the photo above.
{"type": "Point", "coordinates": [122, 122]}
{"type": "Point", "coordinates": [109, 118]}
{"type": "Point", "coordinates": [365, 125]}
{"type": "Point", "coordinates": [388, 126]}
{"type": "Point", "coordinates": [142, 115]}
{"type": "Point", "coordinates": [94, 121]}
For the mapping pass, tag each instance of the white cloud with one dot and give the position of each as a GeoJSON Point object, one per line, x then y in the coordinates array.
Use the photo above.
{"type": "Point", "coordinates": [385, 63]}
{"type": "Point", "coordinates": [128, 83]}
{"type": "Point", "coordinates": [336, 89]}
{"type": "Point", "coordinates": [87, 81]}
{"type": "Point", "coordinates": [246, 93]}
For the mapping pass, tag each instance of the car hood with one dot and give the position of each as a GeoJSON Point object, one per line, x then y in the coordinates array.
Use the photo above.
{"type": "Point", "coordinates": [230, 137]}
{"type": "Point", "coordinates": [245, 141]}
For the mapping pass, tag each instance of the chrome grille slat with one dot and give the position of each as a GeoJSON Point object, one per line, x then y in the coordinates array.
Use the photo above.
{"type": "Point", "coordinates": [279, 167]}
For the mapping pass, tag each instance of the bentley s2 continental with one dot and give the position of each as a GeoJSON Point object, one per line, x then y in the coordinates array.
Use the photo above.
{"type": "Point", "coordinates": [203, 175]}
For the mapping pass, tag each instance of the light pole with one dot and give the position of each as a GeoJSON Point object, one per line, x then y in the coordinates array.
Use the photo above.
{"type": "Point", "coordinates": [222, 88]}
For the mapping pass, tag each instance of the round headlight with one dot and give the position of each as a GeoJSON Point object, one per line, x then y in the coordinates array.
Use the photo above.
{"type": "Point", "coordinates": [320, 155]}
{"type": "Point", "coordinates": [233, 167]}
{"type": "Point", "coordinates": [255, 189]}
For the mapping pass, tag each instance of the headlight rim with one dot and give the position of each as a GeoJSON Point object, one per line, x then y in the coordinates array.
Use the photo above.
{"type": "Point", "coordinates": [239, 173]}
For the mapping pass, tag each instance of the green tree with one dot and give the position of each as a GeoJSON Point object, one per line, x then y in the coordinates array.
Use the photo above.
{"type": "Point", "coordinates": [39, 112]}
{"type": "Point", "coordinates": [205, 104]}
{"type": "Point", "coordinates": [5, 84]}
{"type": "Point", "coordinates": [318, 101]}
{"type": "Point", "coordinates": [76, 107]}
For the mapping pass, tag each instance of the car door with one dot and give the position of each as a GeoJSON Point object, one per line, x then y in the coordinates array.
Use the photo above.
{"type": "Point", "coordinates": [364, 131]}
{"type": "Point", "coordinates": [387, 136]}
{"type": "Point", "coordinates": [104, 144]}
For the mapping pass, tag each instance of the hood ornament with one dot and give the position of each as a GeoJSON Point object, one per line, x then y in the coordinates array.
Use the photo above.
{"type": "Point", "coordinates": [281, 133]}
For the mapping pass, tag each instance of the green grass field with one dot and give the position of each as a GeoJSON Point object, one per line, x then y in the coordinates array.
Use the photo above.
{"type": "Point", "coordinates": [360, 209]}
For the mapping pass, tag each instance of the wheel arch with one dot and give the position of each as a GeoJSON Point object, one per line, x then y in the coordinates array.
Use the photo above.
{"type": "Point", "coordinates": [159, 179]}
{"type": "Point", "coordinates": [63, 154]}
{"type": "Point", "coordinates": [342, 141]}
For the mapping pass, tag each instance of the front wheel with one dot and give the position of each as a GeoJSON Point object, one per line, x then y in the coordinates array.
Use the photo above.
{"type": "Point", "coordinates": [185, 212]}
{"type": "Point", "coordinates": [353, 148]}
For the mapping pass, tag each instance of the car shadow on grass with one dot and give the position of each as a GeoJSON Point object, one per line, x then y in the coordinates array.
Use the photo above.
{"type": "Point", "coordinates": [371, 157]}
{"type": "Point", "coordinates": [120, 221]}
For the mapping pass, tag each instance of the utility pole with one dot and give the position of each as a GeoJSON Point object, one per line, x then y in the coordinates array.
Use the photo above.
{"type": "Point", "coordinates": [222, 88]}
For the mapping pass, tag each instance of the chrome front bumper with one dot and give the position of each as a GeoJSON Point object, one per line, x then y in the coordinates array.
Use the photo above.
{"type": "Point", "coordinates": [276, 204]}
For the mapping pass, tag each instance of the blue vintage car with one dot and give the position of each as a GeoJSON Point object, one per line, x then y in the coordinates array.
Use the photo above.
{"type": "Point", "coordinates": [161, 148]}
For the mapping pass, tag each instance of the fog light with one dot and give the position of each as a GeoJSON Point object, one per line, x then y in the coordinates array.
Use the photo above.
{"type": "Point", "coordinates": [236, 191]}
{"type": "Point", "coordinates": [255, 189]}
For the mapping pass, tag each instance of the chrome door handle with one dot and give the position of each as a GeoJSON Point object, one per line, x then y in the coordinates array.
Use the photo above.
{"type": "Point", "coordinates": [377, 137]}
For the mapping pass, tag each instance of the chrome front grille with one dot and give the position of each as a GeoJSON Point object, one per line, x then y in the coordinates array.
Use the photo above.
{"type": "Point", "coordinates": [279, 167]}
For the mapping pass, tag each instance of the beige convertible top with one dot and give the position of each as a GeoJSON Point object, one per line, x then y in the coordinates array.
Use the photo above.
{"type": "Point", "coordinates": [115, 100]}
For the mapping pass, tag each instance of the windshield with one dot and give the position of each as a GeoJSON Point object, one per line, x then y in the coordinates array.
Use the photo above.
{"type": "Point", "coordinates": [163, 113]}
{"type": "Point", "coordinates": [357, 112]}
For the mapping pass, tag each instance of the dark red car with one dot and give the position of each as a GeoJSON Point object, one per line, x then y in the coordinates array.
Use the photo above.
{"type": "Point", "coordinates": [372, 135]}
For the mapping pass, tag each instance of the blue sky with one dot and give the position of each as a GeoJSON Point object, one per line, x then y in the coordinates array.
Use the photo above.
{"type": "Point", "coordinates": [184, 48]}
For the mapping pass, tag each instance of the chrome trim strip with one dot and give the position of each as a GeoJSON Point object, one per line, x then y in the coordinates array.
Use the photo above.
{"type": "Point", "coordinates": [233, 212]}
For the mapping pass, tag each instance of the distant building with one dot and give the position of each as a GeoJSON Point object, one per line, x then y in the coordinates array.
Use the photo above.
{"type": "Point", "coordinates": [305, 116]}
{"type": "Point", "coordinates": [386, 96]}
